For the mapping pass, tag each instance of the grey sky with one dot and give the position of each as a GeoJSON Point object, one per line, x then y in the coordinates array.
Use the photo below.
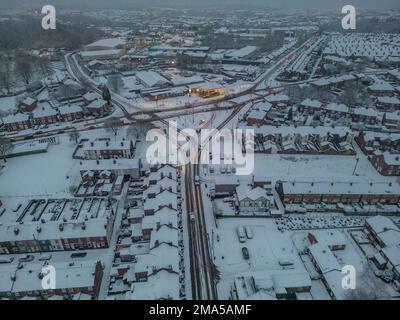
{"type": "Point", "coordinates": [116, 4]}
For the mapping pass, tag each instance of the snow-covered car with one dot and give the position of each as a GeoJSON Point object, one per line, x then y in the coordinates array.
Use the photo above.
{"type": "Point", "coordinates": [26, 258]}
{"type": "Point", "coordinates": [45, 257]}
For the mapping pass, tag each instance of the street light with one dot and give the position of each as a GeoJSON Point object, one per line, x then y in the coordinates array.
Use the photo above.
{"type": "Point", "coordinates": [355, 167]}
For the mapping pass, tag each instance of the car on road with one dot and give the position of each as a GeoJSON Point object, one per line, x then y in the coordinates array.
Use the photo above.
{"type": "Point", "coordinates": [245, 253]}
{"type": "Point", "coordinates": [79, 255]}
{"type": "Point", "coordinates": [26, 258]}
{"type": "Point", "coordinates": [45, 257]}
{"type": "Point", "coordinates": [6, 260]}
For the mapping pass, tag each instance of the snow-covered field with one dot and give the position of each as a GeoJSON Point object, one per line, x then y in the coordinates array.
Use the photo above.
{"type": "Point", "coordinates": [40, 174]}
{"type": "Point", "coordinates": [7, 103]}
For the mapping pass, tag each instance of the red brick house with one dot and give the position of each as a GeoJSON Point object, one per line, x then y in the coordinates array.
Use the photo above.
{"type": "Point", "coordinates": [256, 117]}
{"type": "Point", "coordinates": [45, 116]}
{"type": "Point", "coordinates": [371, 141]}
{"type": "Point", "coordinates": [392, 120]}
{"type": "Point", "coordinates": [335, 192]}
{"type": "Point", "coordinates": [89, 97]}
{"type": "Point", "coordinates": [28, 104]}
{"type": "Point", "coordinates": [16, 122]}
{"type": "Point", "coordinates": [387, 164]}
{"type": "Point", "coordinates": [98, 107]}
{"type": "Point", "coordinates": [70, 113]}
{"type": "Point", "coordinates": [381, 89]}
{"type": "Point", "coordinates": [78, 277]}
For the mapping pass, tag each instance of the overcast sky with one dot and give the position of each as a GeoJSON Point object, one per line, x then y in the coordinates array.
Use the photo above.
{"type": "Point", "coordinates": [116, 4]}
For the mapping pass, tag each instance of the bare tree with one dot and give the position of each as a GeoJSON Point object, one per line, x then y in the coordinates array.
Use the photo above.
{"type": "Point", "coordinates": [44, 67]}
{"type": "Point", "coordinates": [368, 287]}
{"type": "Point", "coordinates": [138, 129]}
{"type": "Point", "coordinates": [24, 68]}
{"type": "Point", "coordinates": [112, 124]}
{"type": "Point", "coordinates": [4, 114]}
{"type": "Point", "coordinates": [6, 147]}
{"type": "Point", "coordinates": [6, 73]}
{"type": "Point", "coordinates": [5, 79]}
{"type": "Point", "coordinates": [74, 135]}
{"type": "Point", "coordinates": [115, 82]}
{"type": "Point", "coordinates": [73, 189]}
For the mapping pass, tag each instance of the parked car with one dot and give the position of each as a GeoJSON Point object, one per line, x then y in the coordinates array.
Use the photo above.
{"type": "Point", "coordinates": [45, 257]}
{"type": "Point", "coordinates": [249, 232]}
{"type": "Point", "coordinates": [245, 253]}
{"type": "Point", "coordinates": [6, 260]}
{"type": "Point", "coordinates": [26, 258]}
{"type": "Point", "coordinates": [241, 234]}
{"type": "Point", "coordinates": [79, 255]}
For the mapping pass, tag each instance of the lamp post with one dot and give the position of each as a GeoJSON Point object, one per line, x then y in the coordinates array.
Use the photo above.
{"type": "Point", "coordinates": [355, 167]}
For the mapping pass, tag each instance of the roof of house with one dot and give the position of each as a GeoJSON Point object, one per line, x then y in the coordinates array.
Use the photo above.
{"type": "Point", "coordinates": [340, 188]}
{"type": "Point", "coordinates": [311, 103]}
{"type": "Point", "coordinates": [111, 43]}
{"type": "Point", "coordinates": [70, 109]}
{"type": "Point", "coordinates": [247, 192]}
{"type": "Point", "coordinates": [13, 118]}
{"type": "Point", "coordinates": [324, 257]}
{"type": "Point", "coordinates": [79, 275]}
{"type": "Point", "coordinates": [97, 104]}
{"type": "Point", "coordinates": [330, 237]}
{"type": "Point", "coordinates": [151, 78]}
{"type": "Point", "coordinates": [393, 254]}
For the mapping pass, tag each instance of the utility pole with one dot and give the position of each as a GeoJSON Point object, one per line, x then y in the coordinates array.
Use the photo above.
{"type": "Point", "coordinates": [355, 167]}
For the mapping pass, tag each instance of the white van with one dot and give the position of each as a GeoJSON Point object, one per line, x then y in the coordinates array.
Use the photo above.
{"type": "Point", "coordinates": [249, 232]}
{"type": "Point", "coordinates": [241, 234]}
